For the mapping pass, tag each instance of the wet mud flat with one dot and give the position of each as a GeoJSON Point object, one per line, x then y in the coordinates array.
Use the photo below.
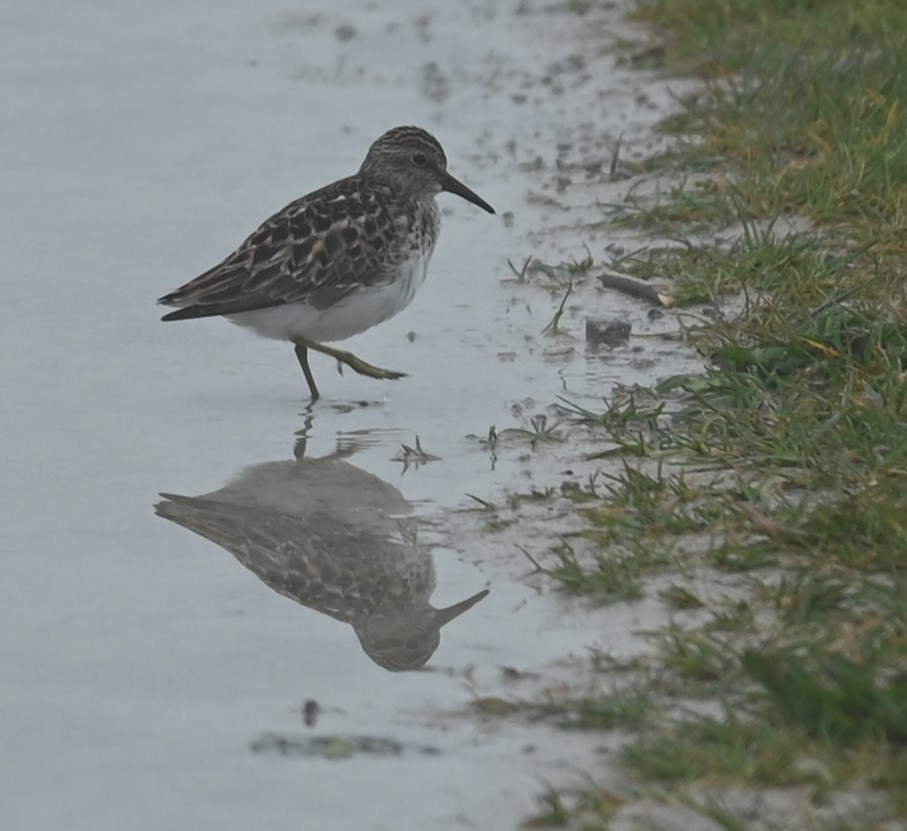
{"type": "Point", "coordinates": [258, 607]}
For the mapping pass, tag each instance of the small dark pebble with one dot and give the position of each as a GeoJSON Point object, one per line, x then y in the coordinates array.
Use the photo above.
{"type": "Point", "coordinates": [310, 712]}
{"type": "Point", "coordinates": [608, 332]}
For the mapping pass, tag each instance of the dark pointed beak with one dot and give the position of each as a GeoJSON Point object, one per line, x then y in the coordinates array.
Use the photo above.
{"type": "Point", "coordinates": [451, 185]}
{"type": "Point", "coordinates": [443, 616]}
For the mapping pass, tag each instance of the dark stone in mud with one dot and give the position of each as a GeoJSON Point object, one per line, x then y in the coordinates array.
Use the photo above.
{"type": "Point", "coordinates": [609, 332]}
{"type": "Point", "coordinates": [310, 711]}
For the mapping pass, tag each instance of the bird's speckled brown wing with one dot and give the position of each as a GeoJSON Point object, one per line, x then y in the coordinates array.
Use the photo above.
{"type": "Point", "coordinates": [316, 250]}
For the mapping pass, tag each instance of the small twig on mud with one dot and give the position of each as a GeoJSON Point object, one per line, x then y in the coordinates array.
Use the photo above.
{"type": "Point", "coordinates": [636, 288]}
{"type": "Point", "coordinates": [486, 505]}
{"type": "Point", "coordinates": [531, 559]}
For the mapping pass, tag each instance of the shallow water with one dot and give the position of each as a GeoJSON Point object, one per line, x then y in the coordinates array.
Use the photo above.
{"type": "Point", "coordinates": [145, 666]}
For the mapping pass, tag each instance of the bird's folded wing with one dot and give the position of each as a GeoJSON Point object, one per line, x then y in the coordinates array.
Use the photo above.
{"type": "Point", "coordinates": [301, 254]}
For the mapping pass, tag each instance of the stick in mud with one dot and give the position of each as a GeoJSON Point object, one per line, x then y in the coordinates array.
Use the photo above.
{"type": "Point", "coordinates": [637, 289]}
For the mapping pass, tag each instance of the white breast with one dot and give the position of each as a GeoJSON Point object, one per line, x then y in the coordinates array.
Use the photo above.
{"type": "Point", "coordinates": [354, 314]}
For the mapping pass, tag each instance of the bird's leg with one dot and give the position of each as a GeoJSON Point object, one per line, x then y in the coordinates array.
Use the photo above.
{"type": "Point", "coordinates": [303, 357]}
{"type": "Point", "coordinates": [348, 358]}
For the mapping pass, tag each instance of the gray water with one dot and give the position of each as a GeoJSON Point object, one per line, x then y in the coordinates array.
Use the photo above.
{"type": "Point", "coordinates": [149, 662]}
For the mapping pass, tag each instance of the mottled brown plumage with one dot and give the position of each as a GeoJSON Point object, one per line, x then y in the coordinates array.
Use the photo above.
{"type": "Point", "coordinates": [337, 261]}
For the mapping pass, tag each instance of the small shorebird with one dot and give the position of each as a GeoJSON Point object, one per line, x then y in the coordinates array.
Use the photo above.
{"type": "Point", "coordinates": [338, 261]}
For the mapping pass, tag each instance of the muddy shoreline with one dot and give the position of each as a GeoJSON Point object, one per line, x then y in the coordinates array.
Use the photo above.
{"type": "Point", "coordinates": [143, 658]}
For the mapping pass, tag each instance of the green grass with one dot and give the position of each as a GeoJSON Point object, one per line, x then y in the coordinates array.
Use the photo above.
{"type": "Point", "coordinates": [788, 455]}
{"type": "Point", "coordinates": [809, 95]}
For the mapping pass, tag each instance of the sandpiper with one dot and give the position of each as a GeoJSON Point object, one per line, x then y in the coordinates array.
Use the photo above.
{"type": "Point", "coordinates": [338, 261]}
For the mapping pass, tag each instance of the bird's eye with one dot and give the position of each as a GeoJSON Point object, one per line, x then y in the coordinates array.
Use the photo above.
{"type": "Point", "coordinates": [419, 159]}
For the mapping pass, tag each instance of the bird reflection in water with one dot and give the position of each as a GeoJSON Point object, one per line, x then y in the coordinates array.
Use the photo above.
{"type": "Point", "coordinates": [334, 538]}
